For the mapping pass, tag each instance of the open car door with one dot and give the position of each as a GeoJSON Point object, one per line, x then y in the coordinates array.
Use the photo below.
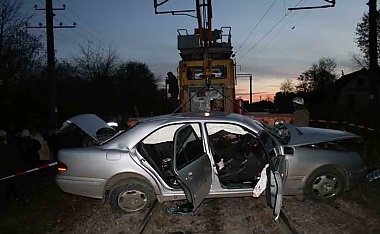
{"type": "Point", "coordinates": [276, 178]}
{"type": "Point", "coordinates": [191, 165]}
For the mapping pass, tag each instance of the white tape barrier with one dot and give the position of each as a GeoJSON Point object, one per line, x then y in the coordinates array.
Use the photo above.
{"type": "Point", "coordinates": [31, 170]}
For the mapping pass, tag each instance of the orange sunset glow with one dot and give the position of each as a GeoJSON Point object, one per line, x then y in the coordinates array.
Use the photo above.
{"type": "Point", "coordinates": [256, 97]}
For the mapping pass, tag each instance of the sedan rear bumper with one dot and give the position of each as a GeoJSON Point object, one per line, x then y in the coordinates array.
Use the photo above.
{"type": "Point", "coordinates": [88, 187]}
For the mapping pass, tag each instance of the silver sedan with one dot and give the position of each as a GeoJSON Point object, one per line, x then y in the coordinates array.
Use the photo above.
{"type": "Point", "coordinates": [207, 155]}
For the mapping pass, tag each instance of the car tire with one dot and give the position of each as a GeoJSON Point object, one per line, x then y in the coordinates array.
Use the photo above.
{"type": "Point", "coordinates": [325, 184]}
{"type": "Point", "coordinates": [131, 195]}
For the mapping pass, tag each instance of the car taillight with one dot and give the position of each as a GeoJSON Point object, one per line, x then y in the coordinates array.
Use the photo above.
{"type": "Point", "coordinates": [62, 167]}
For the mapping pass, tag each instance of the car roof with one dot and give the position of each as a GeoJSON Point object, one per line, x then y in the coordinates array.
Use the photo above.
{"type": "Point", "coordinates": [193, 116]}
{"type": "Point", "coordinates": [145, 125]}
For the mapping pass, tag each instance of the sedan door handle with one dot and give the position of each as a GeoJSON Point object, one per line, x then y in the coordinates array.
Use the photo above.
{"type": "Point", "coordinates": [190, 175]}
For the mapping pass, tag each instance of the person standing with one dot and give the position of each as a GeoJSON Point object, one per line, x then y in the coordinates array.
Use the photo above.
{"type": "Point", "coordinates": [173, 91]}
{"type": "Point", "coordinates": [44, 151]}
{"type": "Point", "coordinates": [301, 116]}
{"type": "Point", "coordinates": [173, 86]}
{"type": "Point", "coordinates": [10, 164]}
{"type": "Point", "coordinates": [29, 148]}
{"type": "Point", "coordinates": [53, 142]}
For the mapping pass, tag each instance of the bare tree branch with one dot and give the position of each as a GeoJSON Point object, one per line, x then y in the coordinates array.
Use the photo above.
{"type": "Point", "coordinates": [358, 61]}
{"type": "Point", "coordinates": [20, 52]}
{"type": "Point", "coordinates": [96, 62]}
{"type": "Point", "coordinates": [287, 86]}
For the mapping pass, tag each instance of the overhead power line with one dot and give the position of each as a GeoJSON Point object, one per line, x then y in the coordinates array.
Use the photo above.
{"type": "Point", "coordinates": [270, 30]}
{"type": "Point", "coordinates": [41, 2]}
{"type": "Point", "coordinates": [59, 39]}
{"type": "Point", "coordinates": [257, 24]}
{"type": "Point", "coordinates": [286, 23]}
{"type": "Point", "coordinates": [92, 28]}
{"type": "Point", "coordinates": [65, 39]}
{"type": "Point", "coordinates": [30, 3]}
{"type": "Point", "coordinates": [79, 17]}
{"type": "Point", "coordinates": [277, 34]}
{"type": "Point", "coordinates": [83, 29]}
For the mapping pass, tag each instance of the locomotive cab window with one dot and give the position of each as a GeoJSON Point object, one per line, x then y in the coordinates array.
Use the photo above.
{"type": "Point", "coordinates": [196, 73]}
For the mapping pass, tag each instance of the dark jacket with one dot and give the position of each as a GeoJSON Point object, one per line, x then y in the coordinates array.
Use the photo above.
{"type": "Point", "coordinates": [301, 117]}
{"type": "Point", "coordinates": [10, 160]}
{"type": "Point", "coordinates": [173, 86]}
{"type": "Point", "coordinates": [29, 151]}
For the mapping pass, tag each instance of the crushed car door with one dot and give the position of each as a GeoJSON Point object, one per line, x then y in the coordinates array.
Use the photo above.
{"type": "Point", "coordinates": [276, 177]}
{"type": "Point", "coordinates": [276, 173]}
{"type": "Point", "coordinates": [191, 165]}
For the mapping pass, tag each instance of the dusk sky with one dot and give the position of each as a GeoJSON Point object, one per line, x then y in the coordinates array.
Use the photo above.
{"type": "Point", "coordinates": [137, 34]}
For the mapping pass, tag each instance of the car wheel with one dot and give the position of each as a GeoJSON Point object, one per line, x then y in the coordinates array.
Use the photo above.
{"type": "Point", "coordinates": [325, 185]}
{"type": "Point", "coordinates": [131, 195]}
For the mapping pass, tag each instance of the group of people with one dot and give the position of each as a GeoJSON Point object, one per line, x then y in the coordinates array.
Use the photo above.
{"type": "Point", "coordinates": [25, 151]}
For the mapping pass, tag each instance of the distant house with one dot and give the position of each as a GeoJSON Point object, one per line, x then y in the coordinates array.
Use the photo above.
{"type": "Point", "coordinates": [347, 96]}
{"type": "Point", "coordinates": [352, 90]}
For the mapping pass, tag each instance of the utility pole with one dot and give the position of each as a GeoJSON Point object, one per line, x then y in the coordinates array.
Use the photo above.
{"type": "Point", "coordinates": [51, 63]}
{"type": "Point", "coordinates": [373, 65]}
{"type": "Point", "coordinates": [235, 67]}
{"type": "Point", "coordinates": [51, 57]}
{"type": "Point", "coordinates": [250, 85]}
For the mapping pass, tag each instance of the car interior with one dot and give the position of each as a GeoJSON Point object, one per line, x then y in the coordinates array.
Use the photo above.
{"type": "Point", "coordinates": [159, 156]}
{"type": "Point", "coordinates": [239, 158]}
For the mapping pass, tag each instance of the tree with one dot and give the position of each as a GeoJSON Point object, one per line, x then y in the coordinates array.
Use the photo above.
{"type": "Point", "coordinates": [287, 86]}
{"type": "Point", "coordinates": [21, 97]}
{"type": "Point", "coordinates": [362, 33]}
{"type": "Point", "coordinates": [318, 75]}
{"type": "Point", "coordinates": [20, 52]}
{"type": "Point", "coordinates": [358, 61]}
{"type": "Point", "coordinates": [135, 85]}
{"type": "Point", "coordinates": [95, 62]}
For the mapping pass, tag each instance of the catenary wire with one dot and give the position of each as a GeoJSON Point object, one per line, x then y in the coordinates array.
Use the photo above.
{"type": "Point", "coordinates": [257, 24]}
{"type": "Point", "coordinates": [266, 34]}
{"type": "Point", "coordinates": [284, 25]}
{"type": "Point", "coordinates": [83, 29]}
{"type": "Point", "coordinates": [86, 22]}
{"type": "Point", "coordinates": [102, 35]}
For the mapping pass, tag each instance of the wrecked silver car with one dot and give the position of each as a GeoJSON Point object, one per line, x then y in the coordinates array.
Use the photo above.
{"type": "Point", "coordinates": [177, 157]}
{"type": "Point", "coordinates": [207, 155]}
{"type": "Point", "coordinates": [323, 163]}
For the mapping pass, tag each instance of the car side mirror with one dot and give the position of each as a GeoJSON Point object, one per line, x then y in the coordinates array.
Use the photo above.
{"type": "Point", "coordinates": [288, 151]}
{"type": "Point", "coordinates": [279, 123]}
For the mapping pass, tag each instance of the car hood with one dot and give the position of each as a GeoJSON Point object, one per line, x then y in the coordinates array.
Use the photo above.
{"type": "Point", "coordinates": [89, 123]}
{"type": "Point", "coordinates": [308, 135]}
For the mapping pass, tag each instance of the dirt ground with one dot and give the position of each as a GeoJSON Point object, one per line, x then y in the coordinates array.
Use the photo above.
{"type": "Point", "coordinates": [56, 212]}
{"type": "Point", "coordinates": [227, 215]}
{"type": "Point", "coordinates": [343, 216]}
